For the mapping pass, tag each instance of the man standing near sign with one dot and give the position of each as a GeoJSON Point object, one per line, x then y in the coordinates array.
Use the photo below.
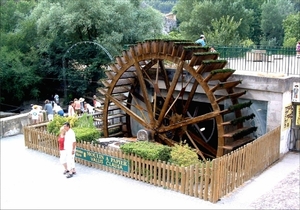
{"type": "Point", "coordinates": [70, 148]}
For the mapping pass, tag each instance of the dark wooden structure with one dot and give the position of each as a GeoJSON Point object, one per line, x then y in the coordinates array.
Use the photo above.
{"type": "Point", "coordinates": [159, 85]}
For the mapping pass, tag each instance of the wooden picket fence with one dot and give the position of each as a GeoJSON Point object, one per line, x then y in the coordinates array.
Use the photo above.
{"type": "Point", "coordinates": [209, 181]}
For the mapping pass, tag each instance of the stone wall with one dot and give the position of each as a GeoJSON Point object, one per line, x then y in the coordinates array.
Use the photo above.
{"type": "Point", "coordinates": [276, 92]}
{"type": "Point", "coordinates": [13, 125]}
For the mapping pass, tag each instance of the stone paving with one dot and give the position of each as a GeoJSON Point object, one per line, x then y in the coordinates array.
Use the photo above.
{"type": "Point", "coordinates": [34, 180]}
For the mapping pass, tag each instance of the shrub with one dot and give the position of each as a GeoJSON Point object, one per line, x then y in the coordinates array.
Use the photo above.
{"type": "Point", "coordinates": [58, 121]}
{"type": "Point", "coordinates": [86, 134]}
{"type": "Point", "coordinates": [147, 150]}
{"type": "Point", "coordinates": [183, 155]}
{"type": "Point", "coordinates": [85, 121]}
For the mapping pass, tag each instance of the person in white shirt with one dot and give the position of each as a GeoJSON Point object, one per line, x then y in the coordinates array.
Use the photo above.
{"type": "Point", "coordinates": [35, 114]}
{"type": "Point", "coordinates": [56, 98]}
{"type": "Point", "coordinates": [88, 108]}
{"type": "Point", "coordinates": [70, 149]}
{"type": "Point", "coordinates": [58, 110]}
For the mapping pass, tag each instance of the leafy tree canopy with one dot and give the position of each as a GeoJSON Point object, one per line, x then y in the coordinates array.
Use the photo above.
{"type": "Point", "coordinates": [273, 14]}
{"type": "Point", "coordinates": [35, 37]}
{"type": "Point", "coordinates": [196, 18]}
{"type": "Point", "coordinates": [291, 30]}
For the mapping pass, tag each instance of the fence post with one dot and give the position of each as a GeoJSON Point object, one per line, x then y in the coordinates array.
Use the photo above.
{"type": "Point", "coordinates": [215, 185]}
{"type": "Point", "coordinates": [183, 178]}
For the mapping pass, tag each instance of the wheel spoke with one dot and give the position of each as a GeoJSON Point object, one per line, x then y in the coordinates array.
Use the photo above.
{"type": "Point", "coordinates": [190, 98]}
{"type": "Point", "coordinates": [200, 141]}
{"type": "Point", "coordinates": [168, 141]}
{"type": "Point", "coordinates": [129, 112]}
{"type": "Point", "coordinates": [156, 90]}
{"type": "Point", "coordinates": [144, 92]}
{"type": "Point", "coordinates": [189, 121]}
{"type": "Point", "coordinates": [170, 93]}
{"type": "Point", "coordinates": [195, 145]}
{"type": "Point", "coordinates": [137, 105]}
{"type": "Point", "coordinates": [197, 128]}
{"type": "Point", "coordinates": [181, 93]}
{"type": "Point", "coordinates": [164, 74]}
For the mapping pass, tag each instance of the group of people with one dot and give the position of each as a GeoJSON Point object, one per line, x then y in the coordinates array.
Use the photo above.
{"type": "Point", "coordinates": [67, 149]}
{"type": "Point", "coordinates": [75, 107]}
{"type": "Point", "coordinates": [50, 108]}
{"type": "Point", "coordinates": [79, 106]}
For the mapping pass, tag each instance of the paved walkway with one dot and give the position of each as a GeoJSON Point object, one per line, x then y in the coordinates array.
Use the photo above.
{"type": "Point", "coordinates": [34, 180]}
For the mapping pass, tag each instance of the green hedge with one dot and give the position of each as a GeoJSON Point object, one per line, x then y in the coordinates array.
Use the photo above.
{"type": "Point", "coordinates": [147, 150]}
{"type": "Point", "coordinates": [180, 154]}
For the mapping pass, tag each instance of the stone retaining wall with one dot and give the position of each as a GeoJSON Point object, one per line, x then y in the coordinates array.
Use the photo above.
{"type": "Point", "coordinates": [13, 125]}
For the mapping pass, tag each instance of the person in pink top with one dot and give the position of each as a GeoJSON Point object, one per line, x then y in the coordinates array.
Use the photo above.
{"type": "Point", "coordinates": [77, 106]}
{"type": "Point", "coordinates": [62, 151]}
{"type": "Point", "coordinates": [71, 111]}
{"type": "Point", "coordinates": [298, 49]}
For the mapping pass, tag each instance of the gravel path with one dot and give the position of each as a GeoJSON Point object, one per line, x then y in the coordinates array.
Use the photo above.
{"type": "Point", "coordinates": [285, 195]}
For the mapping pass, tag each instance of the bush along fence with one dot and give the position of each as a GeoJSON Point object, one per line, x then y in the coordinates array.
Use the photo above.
{"type": "Point", "coordinates": [208, 181]}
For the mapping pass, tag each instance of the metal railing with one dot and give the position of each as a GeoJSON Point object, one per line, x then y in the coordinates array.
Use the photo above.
{"type": "Point", "coordinates": [265, 59]}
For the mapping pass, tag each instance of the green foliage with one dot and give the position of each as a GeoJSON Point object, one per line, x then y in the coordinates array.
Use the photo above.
{"type": "Point", "coordinates": [173, 35]}
{"type": "Point", "coordinates": [290, 42]}
{"type": "Point", "coordinates": [147, 150]}
{"type": "Point", "coordinates": [183, 155]}
{"type": "Point", "coordinates": [85, 121]}
{"type": "Point", "coordinates": [208, 62]}
{"type": "Point", "coordinates": [58, 121]}
{"type": "Point", "coordinates": [242, 119]}
{"type": "Point", "coordinates": [291, 30]}
{"type": "Point", "coordinates": [88, 134]}
{"type": "Point", "coordinates": [220, 71]}
{"type": "Point", "coordinates": [240, 106]}
{"type": "Point", "coordinates": [196, 18]}
{"type": "Point", "coordinates": [273, 14]}
{"type": "Point", "coordinates": [164, 6]}
{"type": "Point", "coordinates": [243, 133]}
{"type": "Point", "coordinates": [224, 31]}
{"type": "Point", "coordinates": [14, 71]}
{"type": "Point", "coordinates": [18, 56]}
{"type": "Point", "coordinates": [180, 154]}
{"type": "Point", "coordinates": [247, 43]}
{"type": "Point", "coordinates": [260, 22]}
{"type": "Point", "coordinates": [36, 36]}
{"type": "Point", "coordinates": [83, 127]}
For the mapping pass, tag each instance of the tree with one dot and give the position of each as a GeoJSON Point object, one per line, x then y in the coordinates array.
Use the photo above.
{"type": "Point", "coordinates": [223, 31]}
{"type": "Point", "coordinates": [255, 33]}
{"type": "Point", "coordinates": [18, 69]}
{"type": "Point", "coordinates": [291, 30]}
{"type": "Point", "coordinates": [40, 36]}
{"type": "Point", "coordinates": [273, 14]}
{"type": "Point", "coordinates": [195, 16]}
{"type": "Point", "coordinates": [183, 9]}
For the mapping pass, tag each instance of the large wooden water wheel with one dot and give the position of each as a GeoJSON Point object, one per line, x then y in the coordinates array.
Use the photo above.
{"type": "Point", "coordinates": [175, 91]}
